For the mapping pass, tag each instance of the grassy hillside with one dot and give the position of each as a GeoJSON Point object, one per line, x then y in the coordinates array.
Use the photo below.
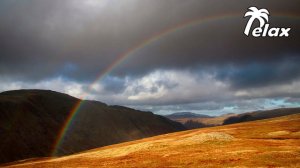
{"type": "Point", "coordinates": [264, 143]}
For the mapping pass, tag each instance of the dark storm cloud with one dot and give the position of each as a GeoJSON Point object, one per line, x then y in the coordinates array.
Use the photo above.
{"type": "Point", "coordinates": [256, 74]}
{"type": "Point", "coordinates": [78, 39]}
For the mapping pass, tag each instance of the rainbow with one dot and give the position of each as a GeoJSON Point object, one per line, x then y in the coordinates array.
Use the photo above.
{"type": "Point", "coordinates": [131, 51]}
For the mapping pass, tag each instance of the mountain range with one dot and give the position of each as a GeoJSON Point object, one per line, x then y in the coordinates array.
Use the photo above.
{"type": "Point", "coordinates": [193, 120]}
{"type": "Point", "coordinates": [179, 115]}
{"type": "Point", "coordinates": [32, 120]}
{"type": "Point", "coordinates": [264, 143]}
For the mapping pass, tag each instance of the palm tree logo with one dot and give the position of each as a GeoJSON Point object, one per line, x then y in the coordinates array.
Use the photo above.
{"type": "Point", "coordinates": [261, 15]}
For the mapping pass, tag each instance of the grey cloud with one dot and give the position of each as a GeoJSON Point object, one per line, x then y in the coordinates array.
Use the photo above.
{"type": "Point", "coordinates": [72, 42]}
{"type": "Point", "coordinates": [39, 37]}
{"type": "Point", "coordinates": [257, 74]}
{"type": "Point", "coordinates": [219, 108]}
{"type": "Point", "coordinates": [114, 84]}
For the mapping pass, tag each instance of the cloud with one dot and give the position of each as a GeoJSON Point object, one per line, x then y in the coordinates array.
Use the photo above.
{"type": "Point", "coordinates": [258, 74]}
{"type": "Point", "coordinates": [92, 34]}
{"type": "Point", "coordinates": [57, 84]}
{"type": "Point", "coordinates": [173, 87]}
{"type": "Point", "coordinates": [166, 91]}
{"type": "Point", "coordinates": [65, 46]}
{"type": "Point", "coordinates": [218, 108]}
{"type": "Point", "coordinates": [284, 90]}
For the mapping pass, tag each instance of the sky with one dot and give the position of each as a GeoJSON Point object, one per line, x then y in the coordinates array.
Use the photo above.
{"type": "Point", "coordinates": [162, 56]}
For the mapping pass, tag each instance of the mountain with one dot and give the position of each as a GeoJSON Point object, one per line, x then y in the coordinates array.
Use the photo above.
{"type": "Point", "coordinates": [258, 115]}
{"type": "Point", "coordinates": [180, 115]}
{"type": "Point", "coordinates": [192, 123]}
{"type": "Point", "coordinates": [30, 121]}
{"type": "Point", "coordinates": [264, 143]}
{"type": "Point", "coordinates": [231, 118]}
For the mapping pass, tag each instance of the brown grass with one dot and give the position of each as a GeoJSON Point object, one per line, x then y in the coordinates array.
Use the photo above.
{"type": "Point", "coordinates": [266, 143]}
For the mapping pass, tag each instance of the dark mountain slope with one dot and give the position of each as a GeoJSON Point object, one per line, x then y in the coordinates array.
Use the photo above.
{"type": "Point", "coordinates": [259, 115]}
{"type": "Point", "coordinates": [30, 121]}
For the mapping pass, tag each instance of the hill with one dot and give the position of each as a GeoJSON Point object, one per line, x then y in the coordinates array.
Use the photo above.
{"type": "Point", "coordinates": [258, 115]}
{"type": "Point", "coordinates": [180, 115]}
{"type": "Point", "coordinates": [265, 143]}
{"type": "Point", "coordinates": [30, 121]}
{"type": "Point", "coordinates": [231, 118]}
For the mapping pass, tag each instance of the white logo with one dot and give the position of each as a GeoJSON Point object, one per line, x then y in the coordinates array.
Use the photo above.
{"type": "Point", "coordinates": [262, 15]}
